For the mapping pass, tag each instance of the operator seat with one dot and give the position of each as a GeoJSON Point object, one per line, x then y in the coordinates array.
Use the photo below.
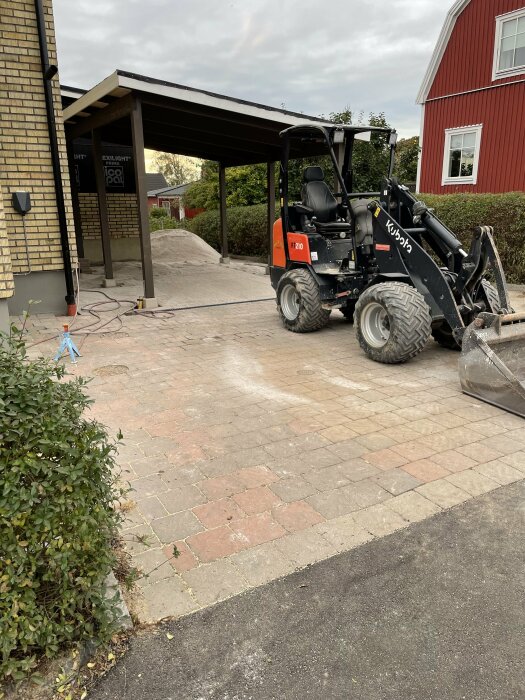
{"type": "Point", "coordinates": [316, 195]}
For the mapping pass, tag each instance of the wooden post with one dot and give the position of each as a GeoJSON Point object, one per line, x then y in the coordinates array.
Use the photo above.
{"type": "Point", "coordinates": [270, 188]}
{"type": "Point", "coordinates": [224, 221]}
{"type": "Point", "coordinates": [142, 199]}
{"type": "Point", "coordinates": [100, 179]}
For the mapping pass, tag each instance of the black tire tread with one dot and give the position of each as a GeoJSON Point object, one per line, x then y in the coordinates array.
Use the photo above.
{"type": "Point", "coordinates": [409, 317]}
{"type": "Point", "coordinates": [312, 316]}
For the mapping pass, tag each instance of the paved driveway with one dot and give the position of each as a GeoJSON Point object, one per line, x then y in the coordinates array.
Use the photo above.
{"type": "Point", "coordinates": [254, 451]}
{"type": "Point", "coordinates": [434, 612]}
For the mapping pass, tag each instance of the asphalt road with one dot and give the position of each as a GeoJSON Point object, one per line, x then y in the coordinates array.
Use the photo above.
{"type": "Point", "coordinates": [432, 612]}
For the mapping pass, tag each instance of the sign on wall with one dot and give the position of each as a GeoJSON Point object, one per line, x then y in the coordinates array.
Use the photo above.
{"type": "Point", "coordinates": [118, 167]}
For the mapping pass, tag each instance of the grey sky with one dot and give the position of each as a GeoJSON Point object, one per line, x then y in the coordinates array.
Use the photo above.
{"type": "Point", "coordinates": [312, 56]}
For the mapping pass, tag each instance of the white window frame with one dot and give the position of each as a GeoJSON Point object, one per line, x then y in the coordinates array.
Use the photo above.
{"type": "Point", "coordinates": [466, 180]}
{"type": "Point", "coordinates": [509, 72]}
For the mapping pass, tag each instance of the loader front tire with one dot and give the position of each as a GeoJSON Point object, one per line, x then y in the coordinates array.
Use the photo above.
{"type": "Point", "coordinates": [299, 302]}
{"type": "Point", "coordinates": [392, 321]}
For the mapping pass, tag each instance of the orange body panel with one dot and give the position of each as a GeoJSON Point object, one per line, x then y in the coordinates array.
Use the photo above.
{"type": "Point", "coordinates": [279, 255]}
{"type": "Point", "coordinates": [298, 248]}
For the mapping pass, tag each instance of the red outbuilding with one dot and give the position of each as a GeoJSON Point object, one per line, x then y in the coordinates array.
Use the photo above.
{"type": "Point", "coordinates": [473, 101]}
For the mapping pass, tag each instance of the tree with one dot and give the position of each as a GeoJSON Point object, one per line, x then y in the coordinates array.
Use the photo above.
{"type": "Point", "coordinates": [178, 170]}
{"type": "Point", "coordinates": [407, 155]}
{"type": "Point", "coordinates": [246, 184]}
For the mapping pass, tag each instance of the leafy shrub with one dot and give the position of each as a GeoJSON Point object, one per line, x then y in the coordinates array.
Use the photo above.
{"type": "Point", "coordinates": [158, 213]}
{"type": "Point", "coordinates": [247, 230]}
{"type": "Point", "coordinates": [505, 212]}
{"type": "Point", "coordinates": [159, 223]}
{"type": "Point", "coordinates": [57, 521]}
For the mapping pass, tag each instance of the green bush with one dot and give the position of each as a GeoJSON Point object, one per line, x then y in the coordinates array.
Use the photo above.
{"type": "Point", "coordinates": [57, 521]}
{"type": "Point", "coordinates": [159, 223]}
{"type": "Point", "coordinates": [505, 212]}
{"type": "Point", "coordinates": [247, 229]}
{"type": "Point", "coordinates": [158, 213]}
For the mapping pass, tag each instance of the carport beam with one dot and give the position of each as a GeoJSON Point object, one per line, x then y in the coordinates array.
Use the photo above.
{"type": "Point", "coordinates": [100, 179]}
{"type": "Point", "coordinates": [224, 221]}
{"type": "Point", "coordinates": [142, 202]}
{"type": "Point", "coordinates": [270, 186]}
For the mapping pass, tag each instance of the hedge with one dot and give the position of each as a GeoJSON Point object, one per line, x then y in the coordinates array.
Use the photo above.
{"type": "Point", "coordinates": [460, 212]}
{"type": "Point", "coordinates": [505, 212]}
{"type": "Point", "coordinates": [57, 520]}
{"type": "Point", "coordinates": [247, 229]}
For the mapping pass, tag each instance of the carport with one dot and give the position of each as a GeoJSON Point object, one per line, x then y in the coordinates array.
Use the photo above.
{"type": "Point", "coordinates": [132, 110]}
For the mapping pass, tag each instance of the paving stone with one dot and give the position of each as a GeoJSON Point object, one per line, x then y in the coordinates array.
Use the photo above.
{"type": "Point", "coordinates": [220, 487]}
{"type": "Point", "coordinates": [379, 520]}
{"type": "Point", "coordinates": [327, 478]}
{"type": "Point", "coordinates": [210, 583]}
{"type": "Point", "coordinates": [414, 451]}
{"type": "Point", "coordinates": [151, 508]}
{"type": "Point", "coordinates": [505, 444]}
{"type": "Point", "coordinates": [132, 517]}
{"type": "Point", "coordinates": [176, 527]}
{"type": "Point", "coordinates": [149, 465]}
{"type": "Point", "coordinates": [252, 477]}
{"type": "Point", "coordinates": [262, 564]}
{"type": "Point", "coordinates": [348, 449]}
{"type": "Point", "coordinates": [473, 482]}
{"type": "Point", "coordinates": [153, 565]}
{"type": "Point", "coordinates": [183, 498]}
{"type": "Point", "coordinates": [140, 538]}
{"type": "Point", "coordinates": [358, 469]}
{"type": "Point", "coordinates": [385, 459]}
{"type": "Point", "coordinates": [217, 513]}
{"type": "Point", "coordinates": [256, 529]}
{"type": "Point", "coordinates": [375, 441]}
{"type": "Point", "coordinates": [184, 561]}
{"type": "Point", "coordinates": [332, 504]}
{"type": "Point", "coordinates": [443, 493]}
{"type": "Point", "coordinates": [425, 470]}
{"type": "Point", "coordinates": [453, 460]}
{"type": "Point", "coordinates": [296, 516]}
{"type": "Point", "coordinates": [147, 486]}
{"type": "Point", "coordinates": [396, 481]}
{"type": "Point", "coordinates": [305, 547]}
{"type": "Point", "coordinates": [338, 433]}
{"type": "Point", "coordinates": [293, 489]}
{"type": "Point", "coordinates": [367, 493]}
{"type": "Point", "coordinates": [516, 460]}
{"type": "Point", "coordinates": [215, 544]}
{"type": "Point", "coordinates": [175, 477]}
{"type": "Point", "coordinates": [413, 506]}
{"type": "Point", "coordinates": [500, 472]}
{"type": "Point", "coordinates": [343, 533]}
{"type": "Point", "coordinates": [167, 598]}
{"type": "Point", "coordinates": [478, 454]}
{"type": "Point", "coordinates": [256, 500]}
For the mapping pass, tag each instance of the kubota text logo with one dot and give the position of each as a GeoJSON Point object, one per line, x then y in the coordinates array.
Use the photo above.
{"type": "Point", "coordinates": [396, 235]}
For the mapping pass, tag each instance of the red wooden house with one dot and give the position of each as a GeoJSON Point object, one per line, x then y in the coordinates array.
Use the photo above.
{"type": "Point", "coordinates": [473, 101]}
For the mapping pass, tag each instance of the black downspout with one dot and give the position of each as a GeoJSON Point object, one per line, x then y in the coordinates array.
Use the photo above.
{"type": "Point", "coordinates": [48, 73]}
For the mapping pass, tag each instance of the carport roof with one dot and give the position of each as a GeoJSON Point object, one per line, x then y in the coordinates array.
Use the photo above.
{"type": "Point", "coordinates": [184, 120]}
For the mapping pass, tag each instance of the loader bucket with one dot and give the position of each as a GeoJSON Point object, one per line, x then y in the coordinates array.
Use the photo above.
{"type": "Point", "coordinates": [492, 362]}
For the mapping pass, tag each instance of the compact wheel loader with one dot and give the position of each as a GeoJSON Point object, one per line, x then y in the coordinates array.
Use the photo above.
{"type": "Point", "coordinates": [392, 267]}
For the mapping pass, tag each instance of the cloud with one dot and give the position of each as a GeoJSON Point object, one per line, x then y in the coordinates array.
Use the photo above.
{"type": "Point", "coordinates": [312, 57]}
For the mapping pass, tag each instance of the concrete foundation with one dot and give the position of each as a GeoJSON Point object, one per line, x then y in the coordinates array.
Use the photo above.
{"type": "Point", "coordinates": [49, 288]}
{"type": "Point", "coordinates": [4, 316]}
{"type": "Point", "coordinates": [122, 249]}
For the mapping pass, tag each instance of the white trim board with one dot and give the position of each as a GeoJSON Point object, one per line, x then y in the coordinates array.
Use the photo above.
{"type": "Point", "coordinates": [441, 46]}
{"type": "Point", "coordinates": [466, 180]}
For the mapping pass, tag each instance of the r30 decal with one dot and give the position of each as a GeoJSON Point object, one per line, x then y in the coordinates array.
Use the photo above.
{"type": "Point", "coordinates": [396, 235]}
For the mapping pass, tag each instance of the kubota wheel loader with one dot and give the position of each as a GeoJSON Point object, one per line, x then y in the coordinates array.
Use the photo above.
{"type": "Point", "coordinates": [390, 265]}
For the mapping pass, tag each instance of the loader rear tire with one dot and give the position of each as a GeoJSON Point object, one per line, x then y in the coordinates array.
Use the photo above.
{"type": "Point", "coordinates": [299, 303]}
{"type": "Point", "coordinates": [393, 322]}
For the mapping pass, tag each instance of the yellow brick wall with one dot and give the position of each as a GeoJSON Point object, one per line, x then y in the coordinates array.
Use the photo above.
{"type": "Point", "coordinates": [6, 275]}
{"type": "Point", "coordinates": [25, 154]}
{"type": "Point", "coordinates": [123, 215]}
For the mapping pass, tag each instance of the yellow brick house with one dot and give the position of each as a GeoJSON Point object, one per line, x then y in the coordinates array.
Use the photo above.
{"type": "Point", "coordinates": [37, 249]}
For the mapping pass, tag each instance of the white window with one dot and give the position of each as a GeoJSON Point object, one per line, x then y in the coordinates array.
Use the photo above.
{"type": "Point", "coordinates": [509, 49]}
{"type": "Point", "coordinates": [460, 162]}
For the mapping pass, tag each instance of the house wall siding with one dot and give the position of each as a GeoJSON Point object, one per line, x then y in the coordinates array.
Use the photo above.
{"type": "Point", "coordinates": [468, 59]}
{"type": "Point", "coordinates": [25, 154]}
{"type": "Point", "coordinates": [7, 285]}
